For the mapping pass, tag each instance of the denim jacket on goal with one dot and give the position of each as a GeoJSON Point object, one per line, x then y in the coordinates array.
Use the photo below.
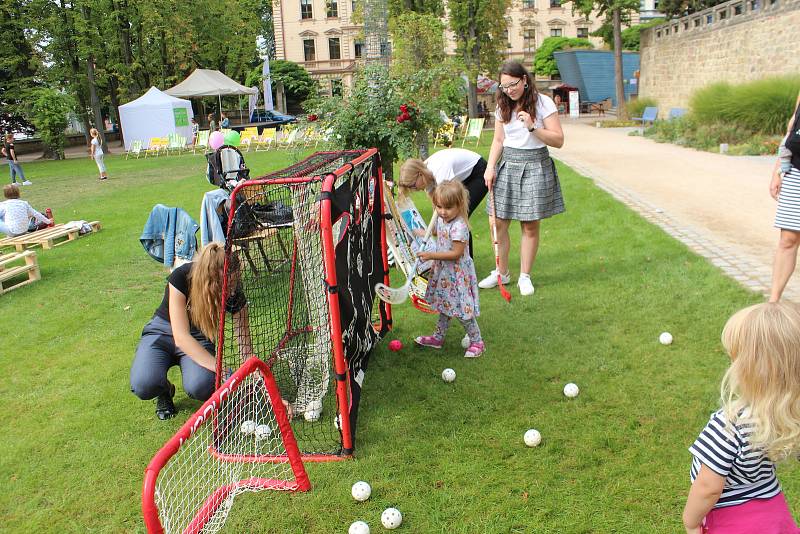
{"type": "Point", "coordinates": [169, 232]}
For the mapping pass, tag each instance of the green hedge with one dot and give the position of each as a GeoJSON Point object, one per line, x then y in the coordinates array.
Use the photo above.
{"type": "Point", "coordinates": [636, 107]}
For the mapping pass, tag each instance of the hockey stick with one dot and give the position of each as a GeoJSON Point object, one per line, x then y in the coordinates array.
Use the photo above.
{"type": "Point", "coordinates": [503, 291]}
{"type": "Point", "coordinates": [398, 295]}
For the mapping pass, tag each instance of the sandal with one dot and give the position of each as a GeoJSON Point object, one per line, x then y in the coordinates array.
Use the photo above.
{"type": "Point", "coordinates": [475, 350]}
{"type": "Point", "coordinates": [165, 408]}
{"type": "Point", "coordinates": [432, 342]}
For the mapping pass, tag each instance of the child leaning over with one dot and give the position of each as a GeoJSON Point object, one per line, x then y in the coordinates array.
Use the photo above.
{"type": "Point", "coordinates": [17, 216]}
{"type": "Point", "coordinates": [452, 285]}
{"type": "Point", "coordinates": [734, 486]}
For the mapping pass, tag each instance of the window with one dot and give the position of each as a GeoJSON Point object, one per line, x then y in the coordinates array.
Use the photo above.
{"type": "Point", "coordinates": [658, 34]}
{"type": "Point", "coordinates": [528, 4]}
{"type": "Point", "coordinates": [773, 2]}
{"type": "Point", "coordinates": [686, 25]}
{"type": "Point", "coordinates": [738, 9]}
{"type": "Point", "coordinates": [723, 15]}
{"type": "Point", "coordinates": [709, 18]}
{"type": "Point", "coordinates": [697, 22]}
{"type": "Point", "coordinates": [308, 49]}
{"type": "Point", "coordinates": [754, 5]}
{"type": "Point", "coordinates": [306, 12]}
{"type": "Point", "coordinates": [555, 32]}
{"type": "Point", "coordinates": [334, 48]}
{"type": "Point", "coordinates": [529, 41]}
{"type": "Point", "coordinates": [583, 33]}
{"type": "Point", "coordinates": [358, 53]}
{"type": "Point", "coordinates": [505, 37]}
{"type": "Point", "coordinates": [555, 3]}
{"type": "Point", "coordinates": [333, 8]}
{"type": "Point", "coordinates": [336, 87]}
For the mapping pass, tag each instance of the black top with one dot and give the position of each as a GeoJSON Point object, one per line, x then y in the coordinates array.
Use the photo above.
{"type": "Point", "coordinates": [793, 140]}
{"type": "Point", "coordinates": [179, 279]}
{"type": "Point", "coordinates": [9, 147]}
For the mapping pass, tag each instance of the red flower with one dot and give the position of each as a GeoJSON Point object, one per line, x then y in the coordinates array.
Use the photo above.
{"type": "Point", "coordinates": [312, 117]}
{"type": "Point", "coordinates": [403, 108]}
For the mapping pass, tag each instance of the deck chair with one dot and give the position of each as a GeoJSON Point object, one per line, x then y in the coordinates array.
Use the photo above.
{"type": "Point", "coordinates": [650, 115]}
{"type": "Point", "coordinates": [201, 142]}
{"type": "Point", "coordinates": [267, 139]}
{"type": "Point", "coordinates": [135, 148]}
{"type": "Point", "coordinates": [445, 135]}
{"type": "Point", "coordinates": [474, 131]}
{"type": "Point", "coordinates": [155, 146]}
{"type": "Point", "coordinates": [175, 143]}
{"type": "Point", "coordinates": [286, 141]}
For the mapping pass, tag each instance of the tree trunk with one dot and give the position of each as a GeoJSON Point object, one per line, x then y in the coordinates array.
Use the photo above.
{"type": "Point", "coordinates": [422, 144]}
{"type": "Point", "coordinates": [113, 89]}
{"type": "Point", "coordinates": [95, 102]}
{"type": "Point", "coordinates": [472, 98]}
{"type": "Point", "coordinates": [69, 32]}
{"type": "Point", "coordinates": [622, 112]}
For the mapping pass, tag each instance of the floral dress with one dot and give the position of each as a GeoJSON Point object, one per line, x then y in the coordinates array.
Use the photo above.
{"type": "Point", "coordinates": [453, 285]}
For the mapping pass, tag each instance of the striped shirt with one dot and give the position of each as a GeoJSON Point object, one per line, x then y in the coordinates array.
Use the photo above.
{"type": "Point", "coordinates": [727, 451]}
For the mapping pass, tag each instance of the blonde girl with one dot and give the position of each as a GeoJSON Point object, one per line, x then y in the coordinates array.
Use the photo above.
{"type": "Point", "coordinates": [96, 154]}
{"type": "Point", "coordinates": [734, 486]}
{"type": "Point", "coordinates": [184, 328]}
{"type": "Point", "coordinates": [452, 285]}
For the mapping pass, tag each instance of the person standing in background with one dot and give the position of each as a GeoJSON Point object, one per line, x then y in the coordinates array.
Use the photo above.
{"type": "Point", "coordinates": [13, 164]}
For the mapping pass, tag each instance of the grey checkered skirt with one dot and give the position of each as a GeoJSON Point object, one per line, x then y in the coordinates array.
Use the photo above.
{"type": "Point", "coordinates": [527, 187]}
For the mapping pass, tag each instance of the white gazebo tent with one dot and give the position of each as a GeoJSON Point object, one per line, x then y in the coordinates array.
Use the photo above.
{"type": "Point", "coordinates": [207, 82]}
{"type": "Point", "coordinates": [155, 114]}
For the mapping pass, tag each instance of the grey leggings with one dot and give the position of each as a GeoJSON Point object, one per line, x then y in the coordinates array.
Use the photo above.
{"type": "Point", "coordinates": [155, 355]}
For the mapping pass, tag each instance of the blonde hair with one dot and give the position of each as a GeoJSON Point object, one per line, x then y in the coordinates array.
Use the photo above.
{"type": "Point", "coordinates": [762, 385]}
{"type": "Point", "coordinates": [410, 171]}
{"type": "Point", "coordinates": [453, 194]}
{"type": "Point", "coordinates": [205, 289]}
{"type": "Point", "coordinates": [94, 133]}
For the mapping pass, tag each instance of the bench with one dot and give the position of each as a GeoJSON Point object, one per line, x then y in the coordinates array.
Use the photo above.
{"type": "Point", "coordinates": [10, 274]}
{"type": "Point", "coordinates": [650, 115]}
{"type": "Point", "coordinates": [47, 238]}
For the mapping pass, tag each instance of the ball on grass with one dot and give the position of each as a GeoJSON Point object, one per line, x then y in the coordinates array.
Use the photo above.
{"type": "Point", "coordinates": [359, 527]}
{"type": "Point", "coordinates": [263, 432]}
{"type": "Point", "coordinates": [395, 345]}
{"type": "Point", "coordinates": [361, 491]}
{"type": "Point", "coordinates": [665, 338]}
{"type": "Point", "coordinates": [391, 518]}
{"type": "Point", "coordinates": [448, 375]}
{"type": "Point", "coordinates": [532, 438]}
{"type": "Point", "coordinates": [571, 390]}
{"type": "Point", "coordinates": [248, 427]}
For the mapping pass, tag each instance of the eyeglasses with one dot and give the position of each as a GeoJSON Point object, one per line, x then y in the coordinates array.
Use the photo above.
{"type": "Point", "coordinates": [508, 86]}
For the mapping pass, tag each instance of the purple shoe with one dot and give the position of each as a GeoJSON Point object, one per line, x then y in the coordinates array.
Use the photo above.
{"type": "Point", "coordinates": [475, 350]}
{"type": "Point", "coordinates": [432, 342]}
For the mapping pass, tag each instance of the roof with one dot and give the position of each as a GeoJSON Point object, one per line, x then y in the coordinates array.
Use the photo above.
{"type": "Point", "coordinates": [155, 98]}
{"type": "Point", "coordinates": [207, 82]}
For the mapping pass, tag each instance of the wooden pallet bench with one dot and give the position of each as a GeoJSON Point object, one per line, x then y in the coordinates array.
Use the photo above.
{"type": "Point", "coordinates": [10, 274]}
{"type": "Point", "coordinates": [47, 238]}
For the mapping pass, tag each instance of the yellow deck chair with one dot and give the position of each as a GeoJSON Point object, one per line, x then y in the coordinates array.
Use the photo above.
{"type": "Point", "coordinates": [155, 146]}
{"type": "Point", "coordinates": [474, 131]}
{"type": "Point", "coordinates": [267, 139]}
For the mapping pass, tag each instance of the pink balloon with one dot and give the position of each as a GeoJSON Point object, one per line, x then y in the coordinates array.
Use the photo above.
{"type": "Point", "coordinates": [216, 140]}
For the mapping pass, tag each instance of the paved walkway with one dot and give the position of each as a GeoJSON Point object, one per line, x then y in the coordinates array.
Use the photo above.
{"type": "Point", "coordinates": [717, 205]}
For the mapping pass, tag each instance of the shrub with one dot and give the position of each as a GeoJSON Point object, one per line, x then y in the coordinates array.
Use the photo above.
{"type": "Point", "coordinates": [544, 63]}
{"type": "Point", "coordinates": [762, 106]}
{"type": "Point", "coordinates": [636, 107]}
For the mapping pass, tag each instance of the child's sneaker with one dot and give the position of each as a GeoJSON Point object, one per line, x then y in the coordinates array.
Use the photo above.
{"type": "Point", "coordinates": [432, 342]}
{"type": "Point", "coordinates": [27, 182]}
{"type": "Point", "coordinates": [475, 350]}
{"type": "Point", "coordinates": [525, 285]}
{"type": "Point", "coordinates": [491, 281]}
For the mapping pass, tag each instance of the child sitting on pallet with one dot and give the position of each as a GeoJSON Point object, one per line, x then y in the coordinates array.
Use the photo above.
{"type": "Point", "coordinates": [17, 216]}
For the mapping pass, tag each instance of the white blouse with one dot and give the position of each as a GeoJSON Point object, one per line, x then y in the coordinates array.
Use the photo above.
{"type": "Point", "coordinates": [517, 135]}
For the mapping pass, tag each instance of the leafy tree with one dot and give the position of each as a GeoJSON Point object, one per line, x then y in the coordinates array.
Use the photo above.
{"type": "Point", "coordinates": [630, 36]}
{"type": "Point", "coordinates": [544, 63]}
{"type": "Point", "coordinates": [18, 67]}
{"type": "Point", "coordinates": [297, 82]}
{"type": "Point", "coordinates": [430, 7]}
{"type": "Point", "coordinates": [478, 26]}
{"type": "Point", "coordinates": [48, 113]}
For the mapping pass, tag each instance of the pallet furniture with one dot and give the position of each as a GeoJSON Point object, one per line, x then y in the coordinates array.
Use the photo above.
{"type": "Point", "coordinates": [9, 271]}
{"type": "Point", "coordinates": [47, 238]}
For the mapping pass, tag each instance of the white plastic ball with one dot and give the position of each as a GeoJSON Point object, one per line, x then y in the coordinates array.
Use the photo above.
{"type": "Point", "coordinates": [532, 437]}
{"type": "Point", "coordinates": [448, 375]}
{"type": "Point", "coordinates": [361, 491]}
{"type": "Point", "coordinates": [665, 338]}
{"type": "Point", "coordinates": [263, 432]}
{"type": "Point", "coordinates": [359, 527]}
{"type": "Point", "coordinates": [571, 390]}
{"type": "Point", "coordinates": [391, 518]}
{"type": "Point", "coordinates": [248, 427]}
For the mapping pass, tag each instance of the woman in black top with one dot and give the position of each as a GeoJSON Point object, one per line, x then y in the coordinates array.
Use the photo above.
{"type": "Point", "coordinates": [184, 328]}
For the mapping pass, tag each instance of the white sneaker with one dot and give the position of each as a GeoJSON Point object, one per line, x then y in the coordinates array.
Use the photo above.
{"type": "Point", "coordinates": [27, 182]}
{"type": "Point", "coordinates": [491, 281]}
{"type": "Point", "coordinates": [525, 285]}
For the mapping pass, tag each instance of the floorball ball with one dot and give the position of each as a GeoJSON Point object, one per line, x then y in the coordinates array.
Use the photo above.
{"type": "Point", "coordinates": [359, 527]}
{"type": "Point", "coordinates": [395, 345]}
{"type": "Point", "coordinates": [532, 438]}
{"type": "Point", "coordinates": [263, 432]}
{"type": "Point", "coordinates": [361, 491]}
{"type": "Point", "coordinates": [448, 375]}
{"type": "Point", "coordinates": [248, 427]}
{"type": "Point", "coordinates": [571, 390]}
{"type": "Point", "coordinates": [665, 338]}
{"type": "Point", "coordinates": [391, 518]}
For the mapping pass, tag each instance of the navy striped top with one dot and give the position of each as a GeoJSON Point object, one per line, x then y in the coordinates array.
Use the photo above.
{"type": "Point", "coordinates": [727, 451]}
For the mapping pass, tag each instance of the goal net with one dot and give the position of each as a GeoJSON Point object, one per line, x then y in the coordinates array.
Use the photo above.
{"type": "Point", "coordinates": [239, 440]}
{"type": "Point", "coordinates": [306, 246]}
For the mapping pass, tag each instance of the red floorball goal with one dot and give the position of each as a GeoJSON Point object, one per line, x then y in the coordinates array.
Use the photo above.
{"type": "Point", "coordinates": [305, 247]}
{"type": "Point", "coordinates": [240, 440]}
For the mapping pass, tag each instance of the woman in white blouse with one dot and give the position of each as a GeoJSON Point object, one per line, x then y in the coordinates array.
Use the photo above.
{"type": "Point", "coordinates": [524, 181]}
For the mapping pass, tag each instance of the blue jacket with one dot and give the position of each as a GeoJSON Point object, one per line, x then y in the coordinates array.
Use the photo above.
{"type": "Point", "coordinates": [210, 224]}
{"type": "Point", "coordinates": [169, 232]}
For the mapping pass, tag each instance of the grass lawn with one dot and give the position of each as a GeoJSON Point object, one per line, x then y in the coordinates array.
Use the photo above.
{"type": "Point", "coordinates": [449, 456]}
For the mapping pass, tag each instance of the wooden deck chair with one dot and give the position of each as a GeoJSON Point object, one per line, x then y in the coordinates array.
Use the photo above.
{"type": "Point", "coordinates": [153, 147]}
{"type": "Point", "coordinates": [445, 135]}
{"type": "Point", "coordinates": [135, 148]}
{"type": "Point", "coordinates": [175, 143]}
{"type": "Point", "coordinates": [462, 126]}
{"type": "Point", "coordinates": [474, 131]}
{"type": "Point", "coordinates": [267, 139]}
{"type": "Point", "coordinates": [288, 140]}
{"type": "Point", "coordinates": [201, 142]}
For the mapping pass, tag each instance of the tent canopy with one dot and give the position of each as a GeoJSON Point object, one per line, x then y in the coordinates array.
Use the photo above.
{"type": "Point", "coordinates": [207, 82]}
{"type": "Point", "coordinates": [155, 114]}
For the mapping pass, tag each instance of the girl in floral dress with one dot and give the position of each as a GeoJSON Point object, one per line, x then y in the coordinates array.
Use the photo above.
{"type": "Point", "coordinates": [452, 284]}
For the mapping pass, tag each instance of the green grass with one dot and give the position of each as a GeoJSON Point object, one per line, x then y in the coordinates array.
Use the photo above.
{"type": "Point", "coordinates": [449, 456]}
